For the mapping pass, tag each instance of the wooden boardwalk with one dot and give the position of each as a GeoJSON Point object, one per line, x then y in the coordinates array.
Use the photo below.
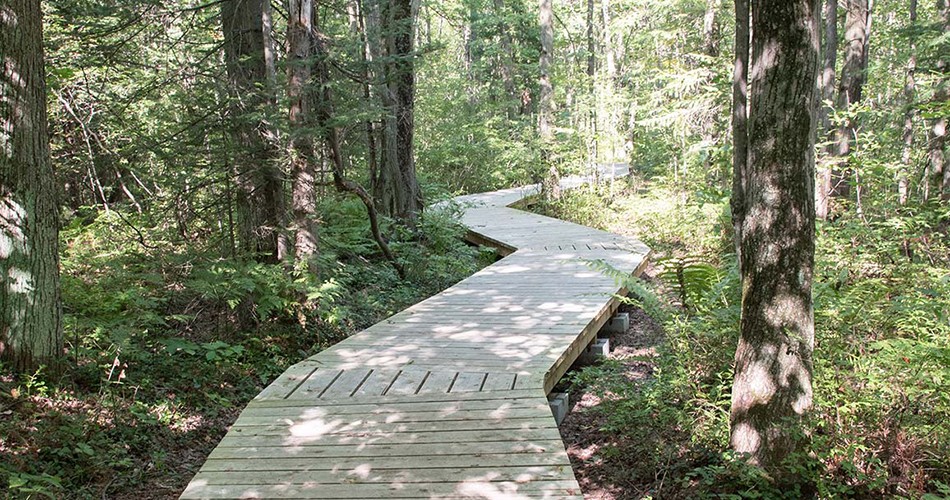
{"type": "Point", "coordinates": [448, 398]}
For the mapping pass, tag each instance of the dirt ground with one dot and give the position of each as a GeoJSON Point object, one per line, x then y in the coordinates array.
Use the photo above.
{"type": "Point", "coordinates": [602, 479]}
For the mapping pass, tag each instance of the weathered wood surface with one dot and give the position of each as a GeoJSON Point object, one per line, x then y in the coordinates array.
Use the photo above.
{"type": "Point", "coordinates": [446, 399]}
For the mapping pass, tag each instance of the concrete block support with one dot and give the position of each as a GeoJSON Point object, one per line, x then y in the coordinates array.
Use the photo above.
{"type": "Point", "coordinates": [560, 404]}
{"type": "Point", "coordinates": [596, 351]}
{"type": "Point", "coordinates": [618, 324]}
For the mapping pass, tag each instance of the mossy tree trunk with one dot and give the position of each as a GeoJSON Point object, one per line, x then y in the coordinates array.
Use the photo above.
{"type": "Point", "coordinates": [773, 387]}
{"type": "Point", "coordinates": [31, 331]}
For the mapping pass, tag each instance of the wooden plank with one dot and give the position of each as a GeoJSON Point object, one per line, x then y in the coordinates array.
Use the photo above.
{"type": "Point", "coordinates": [363, 450]}
{"type": "Point", "coordinates": [439, 381]}
{"type": "Point", "coordinates": [318, 382]}
{"type": "Point", "coordinates": [318, 428]}
{"type": "Point", "coordinates": [289, 380]}
{"type": "Point", "coordinates": [499, 381]}
{"type": "Point", "coordinates": [445, 491]}
{"type": "Point", "coordinates": [236, 440]}
{"type": "Point", "coordinates": [469, 382]}
{"type": "Point", "coordinates": [381, 407]}
{"type": "Point", "coordinates": [521, 475]}
{"type": "Point", "coordinates": [377, 383]}
{"type": "Point", "coordinates": [392, 462]}
{"type": "Point", "coordinates": [452, 415]}
{"type": "Point", "coordinates": [347, 383]}
{"type": "Point", "coordinates": [408, 382]}
{"type": "Point", "coordinates": [392, 399]}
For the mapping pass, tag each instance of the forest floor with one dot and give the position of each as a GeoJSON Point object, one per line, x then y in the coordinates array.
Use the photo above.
{"type": "Point", "coordinates": [600, 457]}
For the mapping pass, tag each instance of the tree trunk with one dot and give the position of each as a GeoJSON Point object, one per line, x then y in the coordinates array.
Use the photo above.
{"type": "Point", "coordinates": [910, 112]}
{"type": "Point", "coordinates": [611, 46]}
{"type": "Point", "coordinates": [31, 332]}
{"type": "Point", "coordinates": [302, 165]}
{"type": "Point", "coordinates": [260, 196]}
{"type": "Point", "coordinates": [401, 195]}
{"type": "Point", "coordinates": [552, 180]}
{"type": "Point", "coordinates": [591, 44]}
{"type": "Point", "coordinates": [772, 389]}
{"type": "Point", "coordinates": [829, 60]}
{"type": "Point", "coordinates": [936, 149]}
{"type": "Point", "coordinates": [367, 56]}
{"type": "Point", "coordinates": [711, 29]}
{"type": "Point", "coordinates": [740, 121]}
{"type": "Point", "coordinates": [505, 66]}
{"type": "Point", "coordinates": [853, 76]}
{"type": "Point", "coordinates": [546, 97]}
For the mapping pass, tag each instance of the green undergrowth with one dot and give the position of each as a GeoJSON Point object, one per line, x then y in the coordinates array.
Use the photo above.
{"type": "Point", "coordinates": [880, 427]}
{"type": "Point", "coordinates": [166, 342]}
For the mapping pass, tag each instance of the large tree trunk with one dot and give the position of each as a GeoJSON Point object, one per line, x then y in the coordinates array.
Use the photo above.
{"type": "Point", "coordinates": [31, 332]}
{"type": "Point", "coordinates": [829, 60]}
{"type": "Point", "coordinates": [302, 165]}
{"type": "Point", "coordinates": [903, 187]}
{"type": "Point", "coordinates": [260, 196]}
{"type": "Point", "coordinates": [772, 387]}
{"type": "Point", "coordinates": [936, 149]}
{"type": "Point", "coordinates": [740, 121]}
{"type": "Point", "coordinates": [400, 192]}
{"type": "Point", "coordinates": [546, 99]}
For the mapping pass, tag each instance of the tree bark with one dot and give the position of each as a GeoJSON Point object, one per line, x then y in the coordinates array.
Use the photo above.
{"type": "Point", "coordinates": [302, 165]}
{"type": "Point", "coordinates": [711, 29]}
{"type": "Point", "coordinates": [260, 193]}
{"type": "Point", "coordinates": [936, 149]}
{"type": "Point", "coordinates": [829, 61]}
{"type": "Point", "coordinates": [611, 46]}
{"type": "Point", "coordinates": [506, 63]}
{"type": "Point", "coordinates": [853, 76]}
{"type": "Point", "coordinates": [591, 44]}
{"type": "Point", "coordinates": [910, 113]}
{"type": "Point", "coordinates": [552, 181]}
{"type": "Point", "coordinates": [740, 121]}
{"type": "Point", "coordinates": [400, 192]}
{"type": "Point", "coordinates": [772, 388]}
{"type": "Point", "coordinates": [31, 332]}
{"type": "Point", "coordinates": [546, 97]}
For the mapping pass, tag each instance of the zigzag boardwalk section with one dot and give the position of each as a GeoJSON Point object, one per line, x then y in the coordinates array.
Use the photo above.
{"type": "Point", "coordinates": [448, 398]}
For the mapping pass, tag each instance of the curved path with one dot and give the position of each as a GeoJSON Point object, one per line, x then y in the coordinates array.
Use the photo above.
{"type": "Point", "coordinates": [448, 398]}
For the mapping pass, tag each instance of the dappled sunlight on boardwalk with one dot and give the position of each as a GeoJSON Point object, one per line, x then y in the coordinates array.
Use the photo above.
{"type": "Point", "coordinates": [446, 399]}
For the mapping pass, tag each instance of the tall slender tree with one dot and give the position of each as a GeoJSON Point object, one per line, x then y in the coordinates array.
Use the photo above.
{"type": "Point", "coordinates": [249, 63]}
{"type": "Point", "coordinates": [773, 387]}
{"type": "Point", "coordinates": [401, 196]}
{"type": "Point", "coordinates": [851, 87]}
{"type": "Point", "coordinates": [910, 111]}
{"type": "Point", "coordinates": [740, 121]}
{"type": "Point", "coordinates": [302, 164]}
{"type": "Point", "coordinates": [31, 331]}
{"type": "Point", "coordinates": [829, 61]}
{"type": "Point", "coordinates": [546, 98]}
{"type": "Point", "coordinates": [936, 149]}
